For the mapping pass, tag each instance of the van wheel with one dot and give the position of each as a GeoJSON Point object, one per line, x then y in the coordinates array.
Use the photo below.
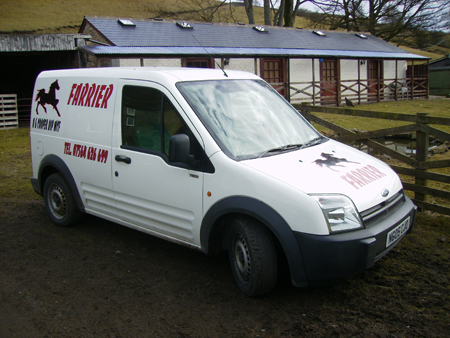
{"type": "Point", "coordinates": [59, 202]}
{"type": "Point", "coordinates": [252, 256]}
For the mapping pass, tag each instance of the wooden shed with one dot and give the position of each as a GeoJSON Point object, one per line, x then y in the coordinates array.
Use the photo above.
{"type": "Point", "coordinates": [440, 76]}
{"type": "Point", "coordinates": [24, 56]}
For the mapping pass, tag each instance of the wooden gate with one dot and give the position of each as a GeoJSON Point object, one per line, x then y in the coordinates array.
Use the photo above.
{"type": "Point", "coordinates": [9, 117]}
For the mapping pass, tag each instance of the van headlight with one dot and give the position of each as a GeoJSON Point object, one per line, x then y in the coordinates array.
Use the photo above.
{"type": "Point", "coordinates": [340, 212]}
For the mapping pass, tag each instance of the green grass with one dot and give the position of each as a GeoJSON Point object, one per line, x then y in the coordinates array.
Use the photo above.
{"type": "Point", "coordinates": [15, 165]}
{"type": "Point", "coordinates": [434, 107]}
{"type": "Point", "coordinates": [15, 158]}
{"type": "Point", "coordinates": [56, 16]}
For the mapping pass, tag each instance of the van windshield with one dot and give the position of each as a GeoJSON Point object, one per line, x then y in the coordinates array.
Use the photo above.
{"type": "Point", "coordinates": [247, 118]}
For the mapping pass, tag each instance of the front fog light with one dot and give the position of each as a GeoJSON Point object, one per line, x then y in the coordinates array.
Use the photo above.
{"type": "Point", "coordinates": [339, 211]}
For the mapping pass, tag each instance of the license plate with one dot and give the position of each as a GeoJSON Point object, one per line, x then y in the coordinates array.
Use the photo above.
{"type": "Point", "coordinates": [398, 232]}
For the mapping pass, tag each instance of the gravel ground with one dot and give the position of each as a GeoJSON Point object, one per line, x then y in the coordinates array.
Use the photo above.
{"type": "Point", "coordinates": [100, 279]}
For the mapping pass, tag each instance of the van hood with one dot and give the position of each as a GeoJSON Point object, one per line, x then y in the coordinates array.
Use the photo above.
{"type": "Point", "coordinates": [333, 168]}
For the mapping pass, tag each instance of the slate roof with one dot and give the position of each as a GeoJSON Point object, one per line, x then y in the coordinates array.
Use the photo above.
{"type": "Point", "coordinates": [148, 36]}
{"type": "Point", "coordinates": [441, 63]}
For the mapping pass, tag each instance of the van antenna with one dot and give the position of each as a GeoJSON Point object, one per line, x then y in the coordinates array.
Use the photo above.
{"type": "Point", "coordinates": [223, 70]}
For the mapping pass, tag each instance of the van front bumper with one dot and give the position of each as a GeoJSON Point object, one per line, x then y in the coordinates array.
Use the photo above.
{"type": "Point", "coordinates": [337, 256]}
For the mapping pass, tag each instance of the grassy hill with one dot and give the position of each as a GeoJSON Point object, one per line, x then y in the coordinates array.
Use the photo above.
{"type": "Point", "coordinates": [65, 16]}
{"type": "Point", "coordinates": [56, 16]}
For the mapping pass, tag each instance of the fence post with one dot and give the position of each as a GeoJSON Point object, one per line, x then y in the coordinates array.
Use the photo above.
{"type": "Point", "coordinates": [422, 145]}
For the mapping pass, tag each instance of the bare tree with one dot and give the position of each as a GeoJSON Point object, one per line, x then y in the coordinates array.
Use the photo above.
{"type": "Point", "coordinates": [267, 12]}
{"type": "Point", "coordinates": [249, 10]}
{"type": "Point", "coordinates": [290, 11]}
{"type": "Point", "coordinates": [205, 10]}
{"type": "Point", "coordinates": [284, 11]}
{"type": "Point", "coordinates": [387, 19]}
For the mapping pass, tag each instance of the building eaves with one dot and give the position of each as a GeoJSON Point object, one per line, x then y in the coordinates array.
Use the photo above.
{"type": "Point", "coordinates": [247, 52]}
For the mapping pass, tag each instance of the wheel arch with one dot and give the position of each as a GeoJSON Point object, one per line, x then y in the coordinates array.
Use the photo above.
{"type": "Point", "coordinates": [52, 164]}
{"type": "Point", "coordinates": [215, 222]}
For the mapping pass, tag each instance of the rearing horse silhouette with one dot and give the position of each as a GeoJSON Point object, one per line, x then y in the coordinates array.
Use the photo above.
{"type": "Point", "coordinates": [48, 98]}
{"type": "Point", "coordinates": [331, 161]}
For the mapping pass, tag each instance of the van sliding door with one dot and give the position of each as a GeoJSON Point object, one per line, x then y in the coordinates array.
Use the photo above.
{"type": "Point", "coordinates": [151, 193]}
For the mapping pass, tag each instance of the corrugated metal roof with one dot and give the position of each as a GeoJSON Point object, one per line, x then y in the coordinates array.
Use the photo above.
{"type": "Point", "coordinates": [149, 33]}
{"type": "Point", "coordinates": [245, 52]}
{"type": "Point", "coordinates": [39, 42]}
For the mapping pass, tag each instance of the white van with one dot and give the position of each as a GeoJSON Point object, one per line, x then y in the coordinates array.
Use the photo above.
{"type": "Point", "coordinates": [215, 161]}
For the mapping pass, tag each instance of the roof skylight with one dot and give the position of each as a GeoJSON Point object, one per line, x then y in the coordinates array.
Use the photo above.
{"type": "Point", "coordinates": [184, 25]}
{"type": "Point", "coordinates": [319, 33]}
{"type": "Point", "coordinates": [260, 29]}
{"type": "Point", "coordinates": [362, 36]}
{"type": "Point", "coordinates": [126, 22]}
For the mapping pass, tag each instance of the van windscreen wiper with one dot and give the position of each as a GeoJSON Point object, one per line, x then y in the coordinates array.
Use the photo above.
{"type": "Point", "coordinates": [277, 150]}
{"type": "Point", "coordinates": [313, 142]}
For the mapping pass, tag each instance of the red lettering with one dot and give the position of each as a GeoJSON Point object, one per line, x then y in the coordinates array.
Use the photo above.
{"type": "Point", "coordinates": [95, 97]}
{"type": "Point", "coordinates": [71, 92]}
{"type": "Point", "coordinates": [83, 94]}
{"type": "Point", "coordinates": [67, 148]}
{"type": "Point", "coordinates": [102, 156]}
{"type": "Point", "coordinates": [376, 171]}
{"type": "Point", "coordinates": [83, 151]}
{"type": "Point", "coordinates": [355, 179]}
{"type": "Point", "coordinates": [100, 95]}
{"type": "Point", "coordinates": [361, 177]}
{"type": "Point", "coordinates": [369, 173]}
{"type": "Point", "coordinates": [363, 173]}
{"type": "Point", "coordinates": [92, 153]}
{"type": "Point", "coordinates": [345, 178]}
{"type": "Point", "coordinates": [76, 149]}
{"type": "Point", "coordinates": [77, 94]}
{"type": "Point", "coordinates": [108, 93]}
{"type": "Point", "coordinates": [89, 95]}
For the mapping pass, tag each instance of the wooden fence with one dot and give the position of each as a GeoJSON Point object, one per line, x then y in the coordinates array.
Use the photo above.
{"type": "Point", "coordinates": [358, 91]}
{"type": "Point", "coordinates": [417, 167]}
{"type": "Point", "coordinates": [9, 116]}
{"type": "Point", "coordinates": [24, 109]}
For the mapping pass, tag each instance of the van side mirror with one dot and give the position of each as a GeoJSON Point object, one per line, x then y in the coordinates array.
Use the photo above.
{"type": "Point", "coordinates": [179, 148]}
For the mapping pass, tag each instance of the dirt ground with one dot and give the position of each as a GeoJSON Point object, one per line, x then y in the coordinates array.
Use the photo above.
{"type": "Point", "coordinates": [104, 280]}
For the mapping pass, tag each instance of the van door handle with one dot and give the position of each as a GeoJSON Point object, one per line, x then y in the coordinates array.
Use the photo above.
{"type": "Point", "coordinates": [121, 158]}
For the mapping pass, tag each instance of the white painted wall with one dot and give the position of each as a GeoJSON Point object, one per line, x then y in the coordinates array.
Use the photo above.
{"type": "Point", "coordinates": [247, 64]}
{"type": "Point", "coordinates": [301, 72]}
{"type": "Point", "coordinates": [162, 62]}
{"type": "Point", "coordinates": [349, 76]}
{"type": "Point", "coordinates": [301, 77]}
{"type": "Point", "coordinates": [129, 62]}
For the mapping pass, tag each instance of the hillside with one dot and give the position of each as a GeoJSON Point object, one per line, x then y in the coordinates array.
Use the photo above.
{"type": "Point", "coordinates": [56, 16]}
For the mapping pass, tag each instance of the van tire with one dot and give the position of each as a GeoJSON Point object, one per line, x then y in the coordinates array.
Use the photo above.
{"type": "Point", "coordinates": [252, 257]}
{"type": "Point", "coordinates": [59, 202]}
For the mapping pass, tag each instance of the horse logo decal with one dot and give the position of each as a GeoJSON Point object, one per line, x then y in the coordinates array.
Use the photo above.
{"type": "Point", "coordinates": [48, 98]}
{"type": "Point", "coordinates": [331, 161]}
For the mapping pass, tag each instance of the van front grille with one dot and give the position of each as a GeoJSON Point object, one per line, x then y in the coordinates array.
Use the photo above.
{"type": "Point", "coordinates": [373, 214]}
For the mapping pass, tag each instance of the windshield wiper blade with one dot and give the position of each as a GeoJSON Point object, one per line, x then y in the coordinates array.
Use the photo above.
{"type": "Point", "coordinates": [289, 147]}
{"type": "Point", "coordinates": [313, 142]}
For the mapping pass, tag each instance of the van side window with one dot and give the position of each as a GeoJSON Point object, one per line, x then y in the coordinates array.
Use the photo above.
{"type": "Point", "coordinates": [148, 119]}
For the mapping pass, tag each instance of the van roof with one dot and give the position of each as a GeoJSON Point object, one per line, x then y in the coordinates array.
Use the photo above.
{"type": "Point", "coordinates": [151, 73]}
